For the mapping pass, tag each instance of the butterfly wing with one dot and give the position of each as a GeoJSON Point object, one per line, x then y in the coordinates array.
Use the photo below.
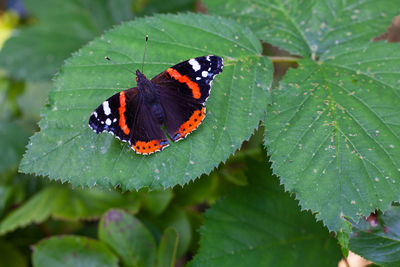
{"type": "Point", "coordinates": [107, 117]}
{"type": "Point", "coordinates": [125, 116]}
{"type": "Point", "coordinates": [183, 89]}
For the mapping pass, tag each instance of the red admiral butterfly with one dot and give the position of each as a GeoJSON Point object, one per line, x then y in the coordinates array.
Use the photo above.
{"type": "Point", "coordinates": [174, 98]}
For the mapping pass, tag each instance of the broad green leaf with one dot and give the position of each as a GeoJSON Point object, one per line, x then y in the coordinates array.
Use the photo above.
{"type": "Point", "coordinates": [333, 132]}
{"type": "Point", "coordinates": [5, 103]}
{"type": "Point", "coordinates": [36, 210]}
{"type": "Point", "coordinates": [155, 202]}
{"type": "Point", "coordinates": [37, 51]}
{"type": "Point", "coordinates": [178, 219]}
{"type": "Point", "coordinates": [6, 195]}
{"type": "Point", "coordinates": [167, 248]}
{"type": "Point", "coordinates": [10, 256]}
{"type": "Point", "coordinates": [67, 149]}
{"type": "Point", "coordinates": [65, 251]}
{"type": "Point", "coordinates": [63, 203]}
{"type": "Point", "coordinates": [310, 27]}
{"type": "Point", "coordinates": [33, 99]}
{"type": "Point", "coordinates": [260, 225]}
{"type": "Point", "coordinates": [159, 6]}
{"type": "Point", "coordinates": [128, 237]}
{"type": "Point", "coordinates": [379, 242]}
{"type": "Point", "coordinates": [13, 139]}
{"type": "Point", "coordinates": [197, 191]}
{"type": "Point", "coordinates": [343, 237]}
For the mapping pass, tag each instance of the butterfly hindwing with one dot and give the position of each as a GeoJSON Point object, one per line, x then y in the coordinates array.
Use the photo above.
{"type": "Point", "coordinates": [183, 114]}
{"type": "Point", "coordinates": [147, 136]}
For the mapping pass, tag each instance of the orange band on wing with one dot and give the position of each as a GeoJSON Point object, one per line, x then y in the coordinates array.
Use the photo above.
{"type": "Point", "coordinates": [122, 109]}
{"type": "Point", "coordinates": [146, 148]}
{"type": "Point", "coordinates": [185, 79]}
{"type": "Point", "coordinates": [193, 122]}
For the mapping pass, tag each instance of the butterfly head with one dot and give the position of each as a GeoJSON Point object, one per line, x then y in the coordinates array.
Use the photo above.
{"type": "Point", "coordinates": [140, 77]}
{"type": "Point", "coordinates": [144, 85]}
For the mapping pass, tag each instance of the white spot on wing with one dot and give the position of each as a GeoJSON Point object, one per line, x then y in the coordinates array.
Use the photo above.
{"type": "Point", "coordinates": [195, 64]}
{"type": "Point", "coordinates": [108, 121]}
{"type": "Point", "coordinates": [198, 78]}
{"type": "Point", "coordinates": [106, 108]}
{"type": "Point", "coordinates": [204, 73]}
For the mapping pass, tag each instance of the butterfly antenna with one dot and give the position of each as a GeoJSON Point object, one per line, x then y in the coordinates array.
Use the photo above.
{"type": "Point", "coordinates": [145, 48]}
{"type": "Point", "coordinates": [122, 67]}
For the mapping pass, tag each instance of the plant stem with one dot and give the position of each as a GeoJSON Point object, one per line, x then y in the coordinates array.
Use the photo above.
{"type": "Point", "coordinates": [278, 59]}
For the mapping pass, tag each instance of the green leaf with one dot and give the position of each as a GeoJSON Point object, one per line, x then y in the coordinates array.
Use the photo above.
{"type": "Point", "coordinates": [343, 237]}
{"type": "Point", "coordinates": [33, 99]}
{"type": "Point", "coordinates": [159, 6]}
{"type": "Point", "coordinates": [6, 104]}
{"type": "Point", "coordinates": [310, 27]}
{"type": "Point", "coordinates": [333, 132]}
{"type": "Point", "coordinates": [11, 257]}
{"type": "Point", "coordinates": [155, 202]}
{"type": "Point", "coordinates": [128, 237]}
{"type": "Point", "coordinates": [178, 219]}
{"type": "Point", "coordinates": [67, 149]}
{"type": "Point", "coordinates": [261, 224]}
{"type": "Point", "coordinates": [379, 242]}
{"type": "Point", "coordinates": [62, 27]}
{"type": "Point", "coordinates": [72, 251]}
{"type": "Point", "coordinates": [63, 203]}
{"type": "Point", "coordinates": [197, 191]}
{"type": "Point", "coordinates": [6, 195]}
{"type": "Point", "coordinates": [13, 139]}
{"type": "Point", "coordinates": [167, 249]}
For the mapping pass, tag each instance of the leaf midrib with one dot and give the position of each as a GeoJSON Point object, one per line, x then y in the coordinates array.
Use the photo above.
{"type": "Point", "coordinates": [332, 107]}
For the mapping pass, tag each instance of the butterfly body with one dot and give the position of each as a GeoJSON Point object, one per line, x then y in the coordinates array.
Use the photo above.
{"type": "Point", "coordinates": [174, 98]}
{"type": "Point", "coordinates": [147, 91]}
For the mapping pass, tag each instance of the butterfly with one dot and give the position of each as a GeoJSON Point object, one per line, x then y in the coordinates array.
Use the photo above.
{"type": "Point", "coordinates": [175, 98]}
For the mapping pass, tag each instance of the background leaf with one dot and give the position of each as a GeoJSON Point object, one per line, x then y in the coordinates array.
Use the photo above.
{"type": "Point", "coordinates": [128, 237]}
{"type": "Point", "coordinates": [336, 125]}
{"type": "Point", "coordinates": [159, 6]}
{"type": "Point", "coordinates": [179, 220]}
{"type": "Point", "coordinates": [155, 202]}
{"type": "Point", "coordinates": [309, 27]}
{"type": "Point", "coordinates": [33, 99]}
{"type": "Point", "coordinates": [10, 256]}
{"type": "Point", "coordinates": [379, 241]}
{"type": "Point", "coordinates": [63, 203]}
{"type": "Point", "coordinates": [167, 249]}
{"type": "Point", "coordinates": [61, 28]}
{"type": "Point", "coordinates": [72, 251]}
{"type": "Point", "coordinates": [67, 149]}
{"type": "Point", "coordinates": [13, 138]}
{"type": "Point", "coordinates": [261, 225]}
